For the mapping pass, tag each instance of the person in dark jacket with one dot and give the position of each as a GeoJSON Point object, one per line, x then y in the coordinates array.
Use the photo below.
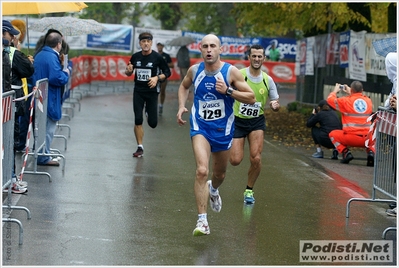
{"type": "Point", "coordinates": [6, 66]}
{"type": "Point", "coordinates": [322, 121]}
{"type": "Point", "coordinates": [183, 61]}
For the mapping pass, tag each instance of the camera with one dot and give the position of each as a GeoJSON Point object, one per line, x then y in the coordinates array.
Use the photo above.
{"type": "Point", "coordinates": [341, 87]}
{"type": "Point", "coordinates": [316, 109]}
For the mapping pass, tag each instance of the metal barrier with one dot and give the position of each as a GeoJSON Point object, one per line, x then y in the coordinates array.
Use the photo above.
{"type": "Point", "coordinates": [384, 180]}
{"type": "Point", "coordinates": [40, 129]}
{"type": "Point", "coordinates": [8, 117]}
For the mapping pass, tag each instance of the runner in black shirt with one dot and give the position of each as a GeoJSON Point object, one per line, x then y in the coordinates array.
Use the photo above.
{"type": "Point", "coordinates": [149, 70]}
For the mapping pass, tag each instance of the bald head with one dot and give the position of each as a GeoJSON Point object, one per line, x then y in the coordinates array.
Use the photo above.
{"type": "Point", "coordinates": [211, 38]}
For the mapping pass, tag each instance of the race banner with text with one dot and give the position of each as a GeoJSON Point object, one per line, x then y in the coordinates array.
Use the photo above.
{"type": "Point", "coordinates": [234, 47]}
{"type": "Point", "coordinates": [112, 68]}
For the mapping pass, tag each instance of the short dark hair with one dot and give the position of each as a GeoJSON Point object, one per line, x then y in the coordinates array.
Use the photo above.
{"type": "Point", "coordinates": [356, 87]}
{"type": "Point", "coordinates": [53, 39]}
{"type": "Point", "coordinates": [64, 47]}
{"type": "Point", "coordinates": [145, 35]}
{"type": "Point", "coordinates": [256, 46]}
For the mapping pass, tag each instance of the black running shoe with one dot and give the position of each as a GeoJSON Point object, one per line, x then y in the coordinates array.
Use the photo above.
{"type": "Point", "coordinates": [346, 156]}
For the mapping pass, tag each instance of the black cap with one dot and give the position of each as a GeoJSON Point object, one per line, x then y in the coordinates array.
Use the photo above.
{"type": "Point", "coordinates": [322, 103]}
{"type": "Point", "coordinates": [160, 44]}
{"type": "Point", "coordinates": [145, 35]}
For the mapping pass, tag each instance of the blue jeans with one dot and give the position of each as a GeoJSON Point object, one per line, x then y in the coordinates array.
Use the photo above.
{"type": "Point", "coordinates": [51, 126]}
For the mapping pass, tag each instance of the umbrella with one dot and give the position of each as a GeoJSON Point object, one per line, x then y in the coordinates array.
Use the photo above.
{"type": "Point", "coordinates": [18, 8]}
{"type": "Point", "coordinates": [383, 46]}
{"type": "Point", "coordinates": [68, 26]}
{"type": "Point", "coordinates": [181, 41]}
{"type": "Point", "coordinates": [15, 8]}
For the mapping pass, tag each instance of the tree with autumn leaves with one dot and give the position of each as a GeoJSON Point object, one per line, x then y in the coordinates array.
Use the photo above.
{"type": "Point", "coordinates": [254, 18]}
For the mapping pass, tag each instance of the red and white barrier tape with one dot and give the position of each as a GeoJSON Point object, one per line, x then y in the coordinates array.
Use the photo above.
{"type": "Point", "coordinates": [32, 102]}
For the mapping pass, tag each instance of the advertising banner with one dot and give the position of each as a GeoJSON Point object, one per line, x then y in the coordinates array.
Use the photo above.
{"type": "Point", "coordinates": [234, 47]}
{"type": "Point", "coordinates": [374, 63]}
{"type": "Point", "coordinates": [310, 42]}
{"type": "Point", "coordinates": [302, 56]}
{"type": "Point", "coordinates": [116, 37]}
{"type": "Point", "coordinates": [319, 52]}
{"type": "Point", "coordinates": [333, 49]}
{"type": "Point", "coordinates": [344, 39]}
{"type": "Point", "coordinates": [357, 55]}
{"type": "Point", "coordinates": [112, 68]}
{"type": "Point", "coordinates": [286, 46]}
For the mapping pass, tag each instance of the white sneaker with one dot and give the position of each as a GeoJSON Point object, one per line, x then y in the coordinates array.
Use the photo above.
{"type": "Point", "coordinates": [201, 229]}
{"type": "Point", "coordinates": [16, 189]}
{"type": "Point", "coordinates": [215, 200]}
{"type": "Point", "coordinates": [22, 184]}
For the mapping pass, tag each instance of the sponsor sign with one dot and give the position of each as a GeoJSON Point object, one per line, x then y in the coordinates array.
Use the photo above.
{"type": "Point", "coordinates": [346, 251]}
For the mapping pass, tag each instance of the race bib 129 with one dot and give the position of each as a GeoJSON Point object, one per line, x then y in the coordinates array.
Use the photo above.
{"type": "Point", "coordinates": [211, 110]}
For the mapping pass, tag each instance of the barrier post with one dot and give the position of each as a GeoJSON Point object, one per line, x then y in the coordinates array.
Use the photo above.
{"type": "Point", "coordinates": [40, 129]}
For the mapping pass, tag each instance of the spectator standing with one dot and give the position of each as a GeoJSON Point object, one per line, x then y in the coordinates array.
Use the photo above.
{"type": "Point", "coordinates": [24, 120]}
{"type": "Point", "coordinates": [149, 70]}
{"type": "Point", "coordinates": [168, 60]}
{"type": "Point", "coordinates": [322, 121]}
{"type": "Point", "coordinates": [21, 68]}
{"type": "Point", "coordinates": [274, 52]}
{"type": "Point", "coordinates": [6, 66]}
{"type": "Point", "coordinates": [183, 61]}
{"type": "Point", "coordinates": [391, 61]}
{"type": "Point", "coordinates": [17, 186]}
{"type": "Point", "coordinates": [250, 120]}
{"type": "Point", "coordinates": [47, 65]}
{"type": "Point", "coordinates": [212, 122]}
{"type": "Point", "coordinates": [355, 109]}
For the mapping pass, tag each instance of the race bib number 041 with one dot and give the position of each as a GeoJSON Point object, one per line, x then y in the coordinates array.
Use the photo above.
{"type": "Point", "coordinates": [211, 110]}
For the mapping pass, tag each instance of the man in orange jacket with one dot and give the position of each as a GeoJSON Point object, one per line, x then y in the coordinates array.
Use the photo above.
{"type": "Point", "coordinates": [355, 109]}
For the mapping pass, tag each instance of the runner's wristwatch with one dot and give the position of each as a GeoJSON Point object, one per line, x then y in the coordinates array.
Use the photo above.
{"type": "Point", "coordinates": [229, 91]}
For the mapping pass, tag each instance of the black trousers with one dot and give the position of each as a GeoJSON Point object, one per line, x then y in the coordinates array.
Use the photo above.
{"type": "Point", "coordinates": [321, 137]}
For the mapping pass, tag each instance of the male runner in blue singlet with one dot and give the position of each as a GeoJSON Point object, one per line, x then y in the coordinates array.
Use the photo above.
{"type": "Point", "coordinates": [216, 85]}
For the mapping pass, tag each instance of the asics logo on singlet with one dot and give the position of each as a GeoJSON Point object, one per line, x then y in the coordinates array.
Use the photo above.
{"type": "Point", "coordinates": [149, 64]}
{"type": "Point", "coordinates": [211, 105]}
{"type": "Point", "coordinates": [360, 106]}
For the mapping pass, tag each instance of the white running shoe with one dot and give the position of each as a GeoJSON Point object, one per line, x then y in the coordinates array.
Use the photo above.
{"type": "Point", "coordinates": [16, 189]}
{"type": "Point", "coordinates": [22, 184]}
{"type": "Point", "coordinates": [215, 200]}
{"type": "Point", "coordinates": [201, 229]}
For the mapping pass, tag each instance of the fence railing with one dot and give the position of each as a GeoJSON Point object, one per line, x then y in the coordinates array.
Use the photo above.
{"type": "Point", "coordinates": [8, 121]}
{"type": "Point", "coordinates": [384, 181]}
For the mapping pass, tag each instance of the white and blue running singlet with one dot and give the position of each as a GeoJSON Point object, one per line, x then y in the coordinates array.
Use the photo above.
{"type": "Point", "coordinates": [212, 112]}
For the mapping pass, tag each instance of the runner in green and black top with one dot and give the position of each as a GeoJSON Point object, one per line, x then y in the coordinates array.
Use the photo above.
{"type": "Point", "coordinates": [249, 118]}
{"type": "Point", "coordinates": [149, 70]}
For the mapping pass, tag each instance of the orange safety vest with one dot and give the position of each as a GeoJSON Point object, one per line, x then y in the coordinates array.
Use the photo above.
{"type": "Point", "coordinates": [355, 109]}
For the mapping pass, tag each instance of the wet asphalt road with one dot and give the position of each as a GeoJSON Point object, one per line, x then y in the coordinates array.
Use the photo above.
{"type": "Point", "coordinates": [110, 209]}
